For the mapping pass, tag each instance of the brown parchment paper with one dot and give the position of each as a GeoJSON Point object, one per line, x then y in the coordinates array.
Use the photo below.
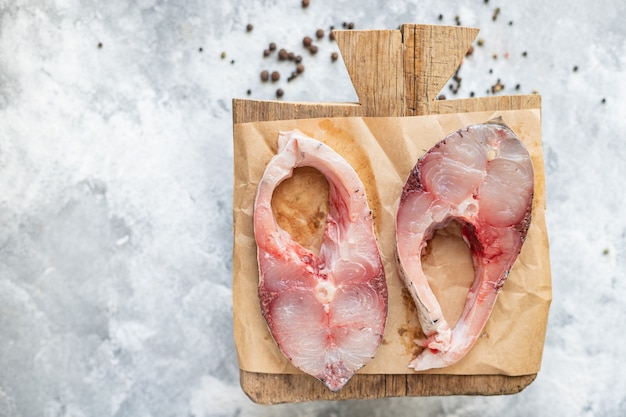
{"type": "Point", "coordinates": [383, 151]}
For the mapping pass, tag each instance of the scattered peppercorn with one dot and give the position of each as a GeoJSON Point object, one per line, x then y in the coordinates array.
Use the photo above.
{"type": "Point", "coordinates": [441, 97]}
{"type": "Point", "coordinates": [279, 93]}
{"type": "Point", "coordinates": [282, 54]}
{"type": "Point", "coordinates": [249, 27]}
{"type": "Point", "coordinates": [517, 86]}
{"type": "Point", "coordinates": [603, 100]}
{"type": "Point", "coordinates": [305, 3]}
{"type": "Point", "coordinates": [334, 56]}
{"type": "Point", "coordinates": [319, 34]}
{"type": "Point", "coordinates": [298, 59]}
{"type": "Point", "coordinates": [575, 68]}
{"type": "Point", "coordinates": [313, 49]}
{"type": "Point", "coordinates": [249, 92]}
{"type": "Point", "coordinates": [299, 68]}
{"type": "Point", "coordinates": [524, 54]}
{"type": "Point", "coordinates": [307, 41]}
{"type": "Point", "coordinates": [100, 45]}
{"type": "Point", "coordinates": [265, 75]}
{"type": "Point", "coordinates": [471, 94]}
{"type": "Point", "coordinates": [266, 52]}
{"type": "Point", "coordinates": [275, 76]}
{"type": "Point", "coordinates": [200, 49]}
{"type": "Point", "coordinates": [272, 46]}
{"type": "Point", "coordinates": [351, 25]}
{"type": "Point", "coordinates": [497, 87]}
{"type": "Point", "coordinates": [440, 17]}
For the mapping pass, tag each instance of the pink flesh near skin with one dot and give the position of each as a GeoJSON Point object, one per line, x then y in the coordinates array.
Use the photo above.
{"type": "Point", "coordinates": [481, 176]}
{"type": "Point", "coordinates": [326, 313]}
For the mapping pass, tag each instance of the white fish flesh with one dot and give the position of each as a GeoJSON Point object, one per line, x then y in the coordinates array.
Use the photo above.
{"type": "Point", "coordinates": [327, 312]}
{"type": "Point", "coordinates": [481, 176]}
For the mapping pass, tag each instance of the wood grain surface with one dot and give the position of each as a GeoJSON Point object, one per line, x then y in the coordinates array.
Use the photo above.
{"type": "Point", "coordinates": [395, 73]}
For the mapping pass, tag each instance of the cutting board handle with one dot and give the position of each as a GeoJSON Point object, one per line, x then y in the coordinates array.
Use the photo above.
{"type": "Point", "coordinates": [401, 72]}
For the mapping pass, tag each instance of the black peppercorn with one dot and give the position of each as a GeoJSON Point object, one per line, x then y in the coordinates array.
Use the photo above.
{"type": "Point", "coordinates": [313, 49]}
{"type": "Point", "coordinates": [319, 34]}
{"type": "Point", "coordinates": [307, 41]}
{"type": "Point", "coordinates": [275, 76]}
{"type": "Point", "coordinates": [279, 93]}
{"type": "Point", "coordinates": [334, 56]}
{"type": "Point", "coordinates": [249, 27]}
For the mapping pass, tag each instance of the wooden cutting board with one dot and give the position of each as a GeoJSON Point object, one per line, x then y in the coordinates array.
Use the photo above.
{"type": "Point", "coordinates": [395, 73]}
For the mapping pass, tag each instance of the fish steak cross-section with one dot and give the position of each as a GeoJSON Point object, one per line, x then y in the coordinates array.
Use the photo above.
{"type": "Point", "coordinates": [326, 312]}
{"type": "Point", "coordinates": [481, 176]}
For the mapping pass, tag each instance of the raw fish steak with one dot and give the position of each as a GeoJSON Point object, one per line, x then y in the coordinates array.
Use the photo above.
{"type": "Point", "coordinates": [482, 177]}
{"type": "Point", "coordinates": [326, 312]}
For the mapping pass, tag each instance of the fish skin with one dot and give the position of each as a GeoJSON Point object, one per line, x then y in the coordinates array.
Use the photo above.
{"type": "Point", "coordinates": [481, 176]}
{"type": "Point", "coordinates": [326, 312]}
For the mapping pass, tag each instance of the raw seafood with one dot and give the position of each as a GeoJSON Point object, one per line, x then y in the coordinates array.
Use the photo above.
{"type": "Point", "coordinates": [327, 312]}
{"type": "Point", "coordinates": [481, 176]}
